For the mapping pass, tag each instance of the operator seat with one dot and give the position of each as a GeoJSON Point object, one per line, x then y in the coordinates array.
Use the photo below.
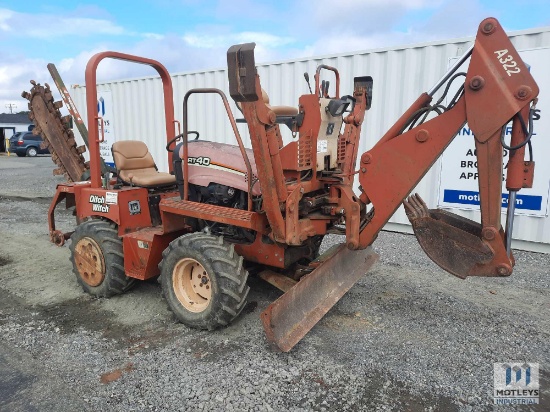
{"type": "Point", "coordinates": [136, 167]}
{"type": "Point", "coordinates": [278, 110]}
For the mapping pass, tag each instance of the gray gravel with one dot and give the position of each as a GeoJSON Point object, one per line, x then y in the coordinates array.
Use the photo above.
{"type": "Point", "coordinates": [407, 336]}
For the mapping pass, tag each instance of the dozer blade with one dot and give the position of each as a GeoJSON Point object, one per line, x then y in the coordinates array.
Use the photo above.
{"type": "Point", "coordinates": [451, 241]}
{"type": "Point", "coordinates": [287, 320]}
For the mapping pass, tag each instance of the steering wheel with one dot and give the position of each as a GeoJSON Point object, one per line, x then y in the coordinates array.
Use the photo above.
{"type": "Point", "coordinates": [180, 136]}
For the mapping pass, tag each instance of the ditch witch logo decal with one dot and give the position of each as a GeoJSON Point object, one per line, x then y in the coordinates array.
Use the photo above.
{"type": "Point", "coordinates": [98, 204]}
{"type": "Point", "coordinates": [134, 207]}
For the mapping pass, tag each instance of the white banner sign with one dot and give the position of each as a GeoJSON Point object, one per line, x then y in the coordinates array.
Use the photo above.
{"type": "Point", "coordinates": [458, 187]}
{"type": "Point", "coordinates": [105, 111]}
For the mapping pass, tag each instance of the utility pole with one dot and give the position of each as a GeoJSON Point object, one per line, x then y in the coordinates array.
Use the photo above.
{"type": "Point", "coordinates": [11, 106]}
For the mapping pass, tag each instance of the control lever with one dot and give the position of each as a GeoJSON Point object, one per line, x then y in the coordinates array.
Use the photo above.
{"type": "Point", "coordinates": [306, 76]}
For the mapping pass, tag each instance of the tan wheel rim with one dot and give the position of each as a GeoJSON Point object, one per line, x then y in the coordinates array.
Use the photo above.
{"type": "Point", "coordinates": [89, 261]}
{"type": "Point", "coordinates": [192, 285]}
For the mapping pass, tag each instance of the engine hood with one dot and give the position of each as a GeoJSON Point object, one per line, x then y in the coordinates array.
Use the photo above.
{"type": "Point", "coordinates": [211, 162]}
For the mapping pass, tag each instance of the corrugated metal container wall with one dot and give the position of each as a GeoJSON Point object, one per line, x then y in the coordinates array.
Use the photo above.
{"type": "Point", "coordinates": [400, 75]}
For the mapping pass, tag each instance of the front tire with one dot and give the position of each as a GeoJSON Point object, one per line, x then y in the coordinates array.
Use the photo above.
{"type": "Point", "coordinates": [32, 152]}
{"type": "Point", "coordinates": [203, 281]}
{"type": "Point", "coordinates": [98, 260]}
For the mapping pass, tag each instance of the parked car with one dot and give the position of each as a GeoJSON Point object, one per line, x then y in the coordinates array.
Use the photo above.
{"type": "Point", "coordinates": [26, 144]}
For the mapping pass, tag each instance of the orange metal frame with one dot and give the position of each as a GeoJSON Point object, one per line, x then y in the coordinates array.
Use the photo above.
{"type": "Point", "coordinates": [387, 173]}
{"type": "Point", "coordinates": [395, 165]}
{"type": "Point", "coordinates": [91, 105]}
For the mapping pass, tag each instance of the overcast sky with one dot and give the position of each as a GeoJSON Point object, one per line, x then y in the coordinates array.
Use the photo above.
{"type": "Point", "coordinates": [195, 34]}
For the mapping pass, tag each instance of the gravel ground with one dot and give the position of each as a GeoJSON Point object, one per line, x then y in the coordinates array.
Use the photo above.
{"type": "Point", "coordinates": [407, 336]}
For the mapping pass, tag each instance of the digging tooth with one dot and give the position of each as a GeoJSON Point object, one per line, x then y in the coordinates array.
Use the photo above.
{"type": "Point", "coordinates": [64, 143]}
{"type": "Point", "coordinates": [57, 172]}
{"type": "Point", "coordinates": [37, 130]}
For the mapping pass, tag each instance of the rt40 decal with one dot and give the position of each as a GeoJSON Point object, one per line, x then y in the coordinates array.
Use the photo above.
{"type": "Point", "coordinates": [508, 63]}
{"type": "Point", "coordinates": [201, 161]}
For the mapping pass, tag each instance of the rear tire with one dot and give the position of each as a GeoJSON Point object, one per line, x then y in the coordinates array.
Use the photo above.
{"type": "Point", "coordinates": [203, 281]}
{"type": "Point", "coordinates": [98, 260]}
{"type": "Point", "coordinates": [32, 152]}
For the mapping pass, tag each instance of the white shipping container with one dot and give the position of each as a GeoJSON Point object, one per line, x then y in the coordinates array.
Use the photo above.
{"type": "Point", "coordinates": [400, 75]}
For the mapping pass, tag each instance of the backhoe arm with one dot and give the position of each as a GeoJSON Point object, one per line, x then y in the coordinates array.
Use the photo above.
{"type": "Point", "coordinates": [244, 88]}
{"type": "Point", "coordinates": [498, 88]}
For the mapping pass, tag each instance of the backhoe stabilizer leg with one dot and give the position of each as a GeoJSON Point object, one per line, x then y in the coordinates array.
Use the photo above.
{"type": "Point", "coordinates": [287, 320]}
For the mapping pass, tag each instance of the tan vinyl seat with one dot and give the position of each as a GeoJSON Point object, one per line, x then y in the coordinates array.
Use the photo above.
{"type": "Point", "coordinates": [136, 166]}
{"type": "Point", "coordinates": [278, 110]}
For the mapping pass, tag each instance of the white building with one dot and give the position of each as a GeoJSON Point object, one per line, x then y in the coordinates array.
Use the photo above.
{"type": "Point", "coordinates": [11, 123]}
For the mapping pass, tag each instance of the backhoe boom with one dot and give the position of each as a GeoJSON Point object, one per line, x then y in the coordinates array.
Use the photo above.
{"type": "Point", "coordinates": [494, 93]}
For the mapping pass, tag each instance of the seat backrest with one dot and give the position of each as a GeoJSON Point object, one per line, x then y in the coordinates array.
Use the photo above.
{"type": "Point", "coordinates": [279, 110]}
{"type": "Point", "coordinates": [131, 155]}
{"type": "Point", "coordinates": [265, 97]}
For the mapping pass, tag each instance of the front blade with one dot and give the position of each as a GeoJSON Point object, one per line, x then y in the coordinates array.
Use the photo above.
{"type": "Point", "coordinates": [287, 320]}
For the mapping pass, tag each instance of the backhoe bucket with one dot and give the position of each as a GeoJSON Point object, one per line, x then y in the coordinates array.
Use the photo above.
{"type": "Point", "coordinates": [454, 242]}
{"type": "Point", "coordinates": [287, 320]}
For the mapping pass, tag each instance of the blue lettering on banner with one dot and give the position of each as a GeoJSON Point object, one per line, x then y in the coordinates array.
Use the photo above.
{"type": "Point", "coordinates": [101, 106]}
{"type": "Point", "coordinates": [466, 197]}
{"type": "Point", "coordinates": [466, 131]}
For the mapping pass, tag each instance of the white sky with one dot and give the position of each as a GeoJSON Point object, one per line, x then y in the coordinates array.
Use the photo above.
{"type": "Point", "coordinates": [195, 34]}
